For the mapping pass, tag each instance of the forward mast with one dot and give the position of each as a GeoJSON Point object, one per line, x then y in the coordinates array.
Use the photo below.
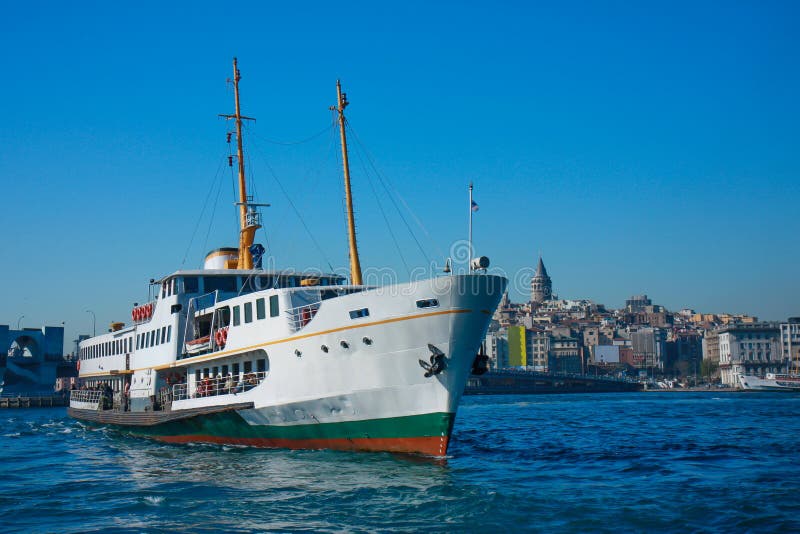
{"type": "Point", "coordinates": [249, 218]}
{"type": "Point", "coordinates": [355, 263]}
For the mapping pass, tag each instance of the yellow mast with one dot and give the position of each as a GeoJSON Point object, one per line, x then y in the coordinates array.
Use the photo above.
{"type": "Point", "coordinates": [248, 222]}
{"type": "Point", "coordinates": [355, 264]}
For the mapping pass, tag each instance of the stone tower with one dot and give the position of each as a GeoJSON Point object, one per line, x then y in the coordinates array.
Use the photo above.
{"type": "Point", "coordinates": [541, 285]}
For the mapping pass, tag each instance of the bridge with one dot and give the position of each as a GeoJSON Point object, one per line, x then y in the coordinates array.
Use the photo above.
{"type": "Point", "coordinates": [514, 382]}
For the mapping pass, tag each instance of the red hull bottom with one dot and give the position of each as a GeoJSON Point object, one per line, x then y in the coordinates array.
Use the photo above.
{"type": "Point", "coordinates": [430, 445]}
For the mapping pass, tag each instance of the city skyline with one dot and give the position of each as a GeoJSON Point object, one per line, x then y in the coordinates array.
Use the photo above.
{"type": "Point", "coordinates": [639, 150]}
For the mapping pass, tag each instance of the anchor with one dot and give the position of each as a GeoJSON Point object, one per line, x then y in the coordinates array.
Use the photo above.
{"type": "Point", "coordinates": [438, 362]}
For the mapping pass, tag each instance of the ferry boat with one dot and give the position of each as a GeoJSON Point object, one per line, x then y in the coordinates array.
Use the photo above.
{"type": "Point", "coordinates": [237, 355]}
{"type": "Point", "coordinates": [772, 382]}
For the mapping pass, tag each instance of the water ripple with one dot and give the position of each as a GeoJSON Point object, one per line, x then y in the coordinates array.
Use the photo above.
{"type": "Point", "coordinates": [633, 462]}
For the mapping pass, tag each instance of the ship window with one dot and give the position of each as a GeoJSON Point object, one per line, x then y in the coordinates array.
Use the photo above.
{"type": "Point", "coordinates": [224, 370]}
{"type": "Point", "coordinates": [261, 311]}
{"type": "Point", "coordinates": [190, 285]}
{"type": "Point", "coordinates": [248, 367]}
{"type": "Point", "coordinates": [163, 334]}
{"type": "Point", "coordinates": [205, 372]}
{"type": "Point", "coordinates": [273, 306]}
{"type": "Point", "coordinates": [214, 371]}
{"type": "Point", "coordinates": [169, 333]}
{"type": "Point", "coordinates": [356, 314]}
{"type": "Point", "coordinates": [219, 283]}
{"type": "Point", "coordinates": [428, 303]}
{"type": "Point", "coordinates": [261, 365]}
{"type": "Point", "coordinates": [237, 319]}
{"type": "Point", "coordinates": [197, 376]}
{"type": "Point", "coordinates": [248, 312]}
{"type": "Point", "coordinates": [235, 369]}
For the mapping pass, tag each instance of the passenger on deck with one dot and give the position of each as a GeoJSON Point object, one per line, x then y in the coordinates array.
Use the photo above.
{"type": "Point", "coordinates": [229, 383]}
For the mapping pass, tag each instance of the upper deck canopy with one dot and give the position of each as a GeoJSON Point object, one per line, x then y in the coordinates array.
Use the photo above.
{"type": "Point", "coordinates": [242, 280]}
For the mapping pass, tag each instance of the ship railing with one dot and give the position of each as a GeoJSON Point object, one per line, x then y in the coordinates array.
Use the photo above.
{"type": "Point", "coordinates": [302, 315]}
{"type": "Point", "coordinates": [91, 399]}
{"type": "Point", "coordinates": [210, 387]}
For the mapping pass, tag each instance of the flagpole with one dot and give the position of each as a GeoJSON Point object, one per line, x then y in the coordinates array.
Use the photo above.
{"type": "Point", "coordinates": [469, 261]}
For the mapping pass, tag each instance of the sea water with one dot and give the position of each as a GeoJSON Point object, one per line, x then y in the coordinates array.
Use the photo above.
{"type": "Point", "coordinates": [648, 462]}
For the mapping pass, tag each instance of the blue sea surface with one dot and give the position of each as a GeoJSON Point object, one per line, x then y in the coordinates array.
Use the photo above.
{"type": "Point", "coordinates": [641, 462]}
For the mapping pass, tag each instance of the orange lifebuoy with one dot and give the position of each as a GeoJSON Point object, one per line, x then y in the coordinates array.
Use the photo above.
{"type": "Point", "coordinates": [150, 308]}
{"type": "Point", "coordinates": [221, 336]}
{"type": "Point", "coordinates": [133, 314]}
{"type": "Point", "coordinates": [138, 311]}
{"type": "Point", "coordinates": [224, 335]}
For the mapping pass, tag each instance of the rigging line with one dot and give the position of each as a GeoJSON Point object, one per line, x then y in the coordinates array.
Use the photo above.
{"type": "Point", "coordinates": [213, 212]}
{"type": "Point", "coordinates": [297, 212]}
{"type": "Point", "coordinates": [290, 143]}
{"type": "Point", "coordinates": [399, 212]}
{"type": "Point", "coordinates": [396, 192]}
{"type": "Point", "coordinates": [383, 213]}
{"type": "Point", "coordinates": [203, 210]}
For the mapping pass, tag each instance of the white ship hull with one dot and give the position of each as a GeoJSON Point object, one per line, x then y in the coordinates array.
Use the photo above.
{"type": "Point", "coordinates": [356, 384]}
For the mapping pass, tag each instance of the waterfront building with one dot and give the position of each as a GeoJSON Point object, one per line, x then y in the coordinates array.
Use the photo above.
{"type": "Point", "coordinates": [540, 348]}
{"type": "Point", "coordinates": [711, 346]}
{"type": "Point", "coordinates": [606, 354]}
{"type": "Point", "coordinates": [591, 338]}
{"type": "Point", "coordinates": [790, 343]}
{"type": "Point", "coordinates": [497, 349]}
{"type": "Point", "coordinates": [541, 285]}
{"type": "Point", "coordinates": [517, 346]}
{"type": "Point", "coordinates": [749, 349]}
{"type": "Point", "coordinates": [649, 348]}
{"type": "Point", "coordinates": [684, 353]}
{"type": "Point", "coordinates": [564, 355]}
{"type": "Point", "coordinates": [528, 348]}
{"type": "Point", "coordinates": [637, 303]}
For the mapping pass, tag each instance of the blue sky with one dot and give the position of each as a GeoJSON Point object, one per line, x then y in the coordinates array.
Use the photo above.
{"type": "Point", "coordinates": [640, 147]}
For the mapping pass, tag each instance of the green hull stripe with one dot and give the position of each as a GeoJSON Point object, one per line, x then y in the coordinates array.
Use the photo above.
{"type": "Point", "coordinates": [231, 424]}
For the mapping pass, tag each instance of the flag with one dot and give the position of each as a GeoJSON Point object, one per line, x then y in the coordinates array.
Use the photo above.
{"type": "Point", "coordinates": [474, 206]}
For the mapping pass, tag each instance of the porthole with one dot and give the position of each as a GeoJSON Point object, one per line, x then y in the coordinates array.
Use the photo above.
{"type": "Point", "coordinates": [324, 348]}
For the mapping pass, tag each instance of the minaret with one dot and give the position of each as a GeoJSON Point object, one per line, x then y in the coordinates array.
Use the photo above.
{"type": "Point", "coordinates": [541, 285]}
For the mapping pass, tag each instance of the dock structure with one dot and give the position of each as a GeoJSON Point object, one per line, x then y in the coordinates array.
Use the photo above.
{"type": "Point", "coordinates": [31, 361]}
{"type": "Point", "coordinates": [39, 401]}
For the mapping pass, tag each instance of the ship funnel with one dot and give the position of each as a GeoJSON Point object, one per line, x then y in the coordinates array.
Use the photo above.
{"type": "Point", "coordinates": [222, 258]}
